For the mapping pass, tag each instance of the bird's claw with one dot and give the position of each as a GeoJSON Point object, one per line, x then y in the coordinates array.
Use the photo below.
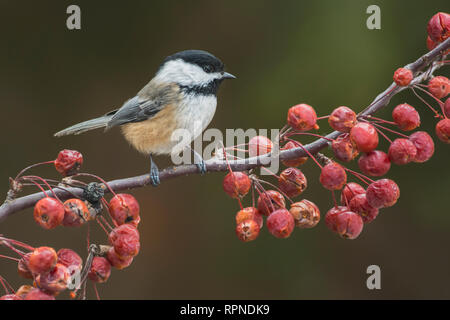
{"type": "Point", "coordinates": [154, 177]}
{"type": "Point", "coordinates": [201, 167]}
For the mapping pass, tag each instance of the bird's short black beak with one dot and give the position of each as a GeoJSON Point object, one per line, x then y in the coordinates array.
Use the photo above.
{"type": "Point", "coordinates": [226, 75]}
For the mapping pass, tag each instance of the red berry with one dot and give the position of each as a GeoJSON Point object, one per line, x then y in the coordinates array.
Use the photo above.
{"type": "Point", "coordinates": [406, 117]}
{"type": "Point", "coordinates": [333, 176]}
{"type": "Point", "coordinates": [280, 223]}
{"type": "Point", "coordinates": [350, 190]}
{"type": "Point", "coordinates": [100, 270]}
{"type": "Point", "coordinates": [382, 193]}
{"type": "Point", "coordinates": [10, 297]}
{"type": "Point", "coordinates": [402, 151]}
{"type": "Point", "coordinates": [344, 149]}
{"type": "Point", "coordinates": [116, 261]}
{"type": "Point", "coordinates": [438, 27]}
{"type": "Point", "coordinates": [364, 136]}
{"type": "Point", "coordinates": [292, 182]}
{"type": "Point", "coordinates": [55, 280]}
{"type": "Point", "coordinates": [424, 145]}
{"type": "Point", "coordinates": [42, 260]}
{"type": "Point", "coordinates": [360, 205]}
{"type": "Point", "coordinates": [342, 119]}
{"type": "Point", "coordinates": [68, 162]}
{"type": "Point", "coordinates": [403, 76]}
{"type": "Point", "coordinates": [447, 108]}
{"type": "Point", "coordinates": [37, 294]}
{"type": "Point", "coordinates": [249, 213]}
{"type": "Point", "coordinates": [236, 184]}
{"type": "Point", "coordinates": [259, 145]}
{"type": "Point", "coordinates": [443, 130]}
{"type": "Point", "coordinates": [375, 163]}
{"type": "Point", "coordinates": [76, 213]}
{"type": "Point", "coordinates": [49, 213]}
{"type": "Point", "coordinates": [124, 208]}
{"type": "Point", "coordinates": [430, 44]}
{"type": "Point", "coordinates": [347, 224]}
{"type": "Point", "coordinates": [439, 86]}
{"type": "Point", "coordinates": [125, 239]}
{"type": "Point", "coordinates": [305, 213]}
{"type": "Point", "coordinates": [293, 162]}
{"type": "Point", "coordinates": [71, 260]}
{"type": "Point", "coordinates": [22, 266]}
{"type": "Point", "coordinates": [330, 217]}
{"type": "Point", "coordinates": [247, 230]}
{"type": "Point", "coordinates": [302, 117]}
{"type": "Point", "coordinates": [270, 201]}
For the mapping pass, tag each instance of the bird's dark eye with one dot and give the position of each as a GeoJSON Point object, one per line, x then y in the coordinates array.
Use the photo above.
{"type": "Point", "coordinates": [207, 68]}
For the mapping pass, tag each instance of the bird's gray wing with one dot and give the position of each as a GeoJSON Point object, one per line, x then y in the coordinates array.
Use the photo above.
{"type": "Point", "coordinates": [144, 106]}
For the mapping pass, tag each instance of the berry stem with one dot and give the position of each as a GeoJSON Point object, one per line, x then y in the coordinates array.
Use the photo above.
{"type": "Point", "coordinates": [33, 166]}
{"type": "Point", "coordinates": [17, 243]}
{"type": "Point", "coordinates": [306, 150]}
{"type": "Point", "coordinates": [31, 178]}
{"type": "Point", "coordinates": [383, 135]}
{"type": "Point", "coordinates": [10, 258]}
{"type": "Point", "coordinates": [359, 176]}
{"type": "Point", "coordinates": [370, 117]}
{"type": "Point", "coordinates": [274, 186]}
{"type": "Point", "coordinates": [436, 114]}
{"type": "Point", "coordinates": [308, 134]}
{"type": "Point", "coordinates": [98, 178]}
{"type": "Point", "coordinates": [392, 131]}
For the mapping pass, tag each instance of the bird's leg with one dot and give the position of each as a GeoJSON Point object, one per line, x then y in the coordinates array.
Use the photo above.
{"type": "Point", "coordinates": [199, 162]}
{"type": "Point", "coordinates": [154, 173]}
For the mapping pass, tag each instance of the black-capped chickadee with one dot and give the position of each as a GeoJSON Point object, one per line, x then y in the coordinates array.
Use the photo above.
{"type": "Point", "coordinates": [181, 95]}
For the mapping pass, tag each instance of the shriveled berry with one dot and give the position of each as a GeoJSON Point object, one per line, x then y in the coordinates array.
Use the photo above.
{"type": "Point", "coordinates": [347, 224]}
{"type": "Point", "coordinates": [38, 294]}
{"type": "Point", "coordinates": [22, 266]}
{"type": "Point", "coordinates": [236, 184]}
{"type": "Point", "coordinates": [350, 190]}
{"type": "Point", "coordinates": [360, 205]}
{"type": "Point", "coordinates": [292, 182]}
{"type": "Point", "coordinates": [330, 217]}
{"type": "Point", "coordinates": [280, 223]}
{"type": "Point", "coordinates": [100, 270]}
{"type": "Point", "coordinates": [344, 149]}
{"type": "Point", "coordinates": [439, 86]}
{"type": "Point", "coordinates": [406, 117]}
{"type": "Point", "coordinates": [364, 136]}
{"type": "Point", "coordinates": [247, 230]}
{"type": "Point", "coordinates": [71, 260]}
{"type": "Point", "coordinates": [76, 213]}
{"type": "Point", "coordinates": [10, 297]}
{"type": "Point", "coordinates": [125, 239]}
{"type": "Point", "coordinates": [402, 151]}
{"type": "Point", "coordinates": [438, 27]}
{"type": "Point", "coordinates": [382, 193]}
{"type": "Point", "coordinates": [42, 260]}
{"type": "Point", "coordinates": [375, 163]}
{"type": "Point", "coordinates": [124, 208]}
{"type": "Point", "coordinates": [333, 176]}
{"type": "Point", "coordinates": [48, 213]}
{"type": "Point", "coordinates": [443, 130]}
{"type": "Point", "coordinates": [447, 108]}
{"type": "Point", "coordinates": [93, 192]}
{"type": "Point", "coordinates": [424, 145]}
{"type": "Point", "coordinates": [249, 213]}
{"type": "Point", "coordinates": [342, 119]}
{"type": "Point", "coordinates": [68, 162]}
{"type": "Point", "coordinates": [403, 76]}
{"type": "Point", "coordinates": [259, 145]}
{"type": "Point", "coordinates": [293, 162]}
{"type": "Point", "coordinates": [302, 117]}
{"type": "Point", "coordinates": [305, 213]}
{"type": "Point", "coordinates": [270, 201]}
{"type": "Point", "coordinates": [24, 290]}
{"type": "Point", "coordinates": [117, 261]}
{"type": "Point", "coordinates": [56, 280]}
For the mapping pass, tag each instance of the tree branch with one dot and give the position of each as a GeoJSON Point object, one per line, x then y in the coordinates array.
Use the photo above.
{"type": "Point", "coordinates": [215, 165]}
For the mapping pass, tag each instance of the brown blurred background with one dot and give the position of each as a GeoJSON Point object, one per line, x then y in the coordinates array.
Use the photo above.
{"type": "Point", "coordinates": [283, 52]}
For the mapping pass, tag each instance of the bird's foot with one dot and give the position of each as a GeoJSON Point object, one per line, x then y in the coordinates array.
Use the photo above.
{"type": "Point", "coordinates": [201, 166]}
{"type": "Point", "coordinates": [154, 176]}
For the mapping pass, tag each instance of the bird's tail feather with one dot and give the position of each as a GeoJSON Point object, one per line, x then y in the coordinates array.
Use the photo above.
{"type": "Point", "coordinates": [85, 126]}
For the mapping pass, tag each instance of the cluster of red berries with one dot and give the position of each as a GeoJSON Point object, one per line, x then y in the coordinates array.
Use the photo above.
{"type": "Point", "coordinates": [51, 271]}
{"type": "Point", "coordinates": [359, 135]}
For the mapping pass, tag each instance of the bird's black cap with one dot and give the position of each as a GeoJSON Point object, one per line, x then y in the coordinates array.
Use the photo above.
{"type": "Point", "coordinates": [208, 62]}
